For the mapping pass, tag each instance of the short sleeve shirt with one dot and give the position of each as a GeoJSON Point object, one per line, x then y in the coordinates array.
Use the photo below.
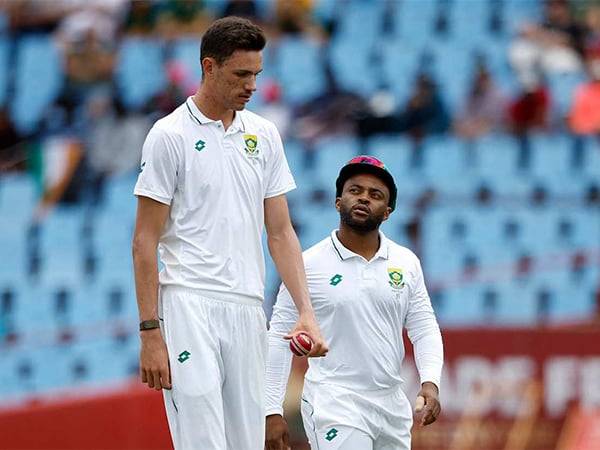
{"type": "Point", "coordinates": [215, 181]}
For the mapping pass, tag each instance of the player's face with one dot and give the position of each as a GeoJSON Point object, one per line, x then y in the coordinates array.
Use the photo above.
{"type": "Point", "coordinates": [234, 81]}
{"type": "Point", "coordinates": [363, 205]}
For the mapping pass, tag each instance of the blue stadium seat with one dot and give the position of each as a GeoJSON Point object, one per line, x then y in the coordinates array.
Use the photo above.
{"type": "Point", "coordinates": [518, 12]}
{"type": "Point", "coordinates": [297, 57]}
{"type": "Point", "coordinates": [461, 307]}
{"type": "Point", "coordinates": [451, 68]}
{"type": "Point", "coordinates": [24, 371]}
{"type": "Point", "coordinates": [331, 155]}
{"type": "Point", "coordinates": [400, 62]}
{"type": "Point", "coordinates": [317, 222]}
{"type": "Point", "coordinates": [592, 159]}
{"type": "Point", "coordinates": [415, 20]}
{"type": "Point", "coordinates": [563, 87]}
{"type": "Point", "coordinates": [13, 244]}
{"type": "Point", "coordinates": [186, 51]}
{"type": "Point", "coordinates": [324, 10]}
{"type": "Point", "coordinates": [17, 189]}
{"type": "Point", "coordinates": [497, 155]}
{"type": "Point", "coordinates": [61, 245]}
{"type": "Point", "coordinates": [294, 153]}
{"type": "Point", "coordinates": [571, 304]}
{"type": "Point", "coordinates": [444, 158]}
{"type": "Point", "coordinates": [119, 194]}
{"type": "Point", "coordinates": [516, 305]}
{"type": "Point", "coordinates": [350, 63]}
{"type": "Point", "coordinates": [38, 64]}
{"type": "Point", "coordinates": [140, 73]}
{"type": "Point", "coordinates": [4, 69]}
{"type": "Point", "coordinates": [551, 155]}
{"type": "Point", "coordinates": [468, 21]}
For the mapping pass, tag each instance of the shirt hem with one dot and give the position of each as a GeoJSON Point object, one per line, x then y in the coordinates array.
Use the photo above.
{"type": "Point", "coordinates": [378, 391]}
{"type": "Point", "coordinates": [228, 297]}
{"type": "Point", "coordinates": [152, 195]}
{"type": "Point", "coordinates": [284, 190]}
{"type": "Point", "coordinates": [273, 411]}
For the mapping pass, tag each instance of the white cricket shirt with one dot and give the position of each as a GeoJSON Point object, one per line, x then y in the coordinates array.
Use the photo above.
{"type": "Point", "coordinates": [216, 182]}
{"type": "Point", "coordinates": [362, 307]}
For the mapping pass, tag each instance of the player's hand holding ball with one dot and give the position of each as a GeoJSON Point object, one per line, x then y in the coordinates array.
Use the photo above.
{"type": "Point", "coordinates": [301, 344]}
{"type": "Point", "coordinates": [308, 327]}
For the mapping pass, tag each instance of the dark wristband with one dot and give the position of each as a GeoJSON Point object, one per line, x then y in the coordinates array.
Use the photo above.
{"type": "Point", "coordinates": [149, 324]}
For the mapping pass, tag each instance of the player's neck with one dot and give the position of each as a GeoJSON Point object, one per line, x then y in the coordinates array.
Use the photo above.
{"type": "Point", "coordinates": [211, 108]}
{"type": "Point", "coordinates": [363, 244]}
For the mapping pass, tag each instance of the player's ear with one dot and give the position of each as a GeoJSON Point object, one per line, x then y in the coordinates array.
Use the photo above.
{"type": "Point", "coordinates": [208, 66]}
{"type": "Point", "coordinates": [338, 200]}
{"type": "Point", "coordinates": [386, 214]}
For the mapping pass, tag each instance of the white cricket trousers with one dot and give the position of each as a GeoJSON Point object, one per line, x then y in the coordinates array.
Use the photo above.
{"type": "Point", "coordinates": [337, 418]}
{"type": "Point", "coordinates": [217, 352]}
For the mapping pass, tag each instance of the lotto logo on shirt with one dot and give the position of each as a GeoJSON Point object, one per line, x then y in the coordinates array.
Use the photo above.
{"type": "Point", "coordinates": [199, 146]}
{"type": "Point", "coordinates": [335, 280]}
{"type": "Point", "coordinates": [331, 434]}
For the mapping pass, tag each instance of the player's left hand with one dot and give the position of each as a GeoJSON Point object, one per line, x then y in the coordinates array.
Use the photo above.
{"type": "Point", "coordinates": [427, 405]}
{"type": "Point", "coordinates": [277, 434]}
{"type": "Point", "coordinates": [307, 323]}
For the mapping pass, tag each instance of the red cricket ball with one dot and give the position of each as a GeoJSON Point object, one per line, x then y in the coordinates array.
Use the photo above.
{"type": "Point", "coordinates": [300, 344]}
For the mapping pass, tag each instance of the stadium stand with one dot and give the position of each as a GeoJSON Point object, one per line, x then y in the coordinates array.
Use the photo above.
{"type": "Point", "coordinates": [500, 243]}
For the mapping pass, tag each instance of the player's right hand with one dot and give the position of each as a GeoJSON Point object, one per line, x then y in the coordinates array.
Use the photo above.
{"type": "Point", "coordinates": [154, 360]}
{"type": "Point", "coordinates": [277, 435]}
{"type": "Point", "coordinates": [307, 323]}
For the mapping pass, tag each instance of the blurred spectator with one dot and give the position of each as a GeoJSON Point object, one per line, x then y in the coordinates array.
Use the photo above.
{"type": "Point", "coordinates": [529, 112]}
{"type": "Point", "coordinates": [36, 16]}
{"type": "Point", "coordinates": [555, 45]}
{"type": "Point", "coordinates": [273, 107]}
{"type": "Point", "coordinates": [103, 17]}
{"type": "Point", "coordinates": [88, 62]}
{"type": "Point", "coordinates": [333, 112]}
{"type": "Point", "coordinates": [114, 140]}
{"type": "Point", "coordinates": [425, 112]}
{"type": "Point", "coordinates": [484, 109]}
{"type": "Point", "coordinates": [178, 88]}
{"type": "Point", "coordinates": [141, 17]}
{"type": "Point", "coordinates": [241, 8]}
{"type": "Point", "coordinates": [295, 17]}
{"type": "Point", "coordinates": [55, 159]}
{"type": "Point", "coordinates": [584, 117]}
{"type": "Point", "coordinates": [530, 109]}
{"type": "Point", "coordinates": [180, 18]}
{"type": "Point", "coordinates": [12, 151]}
{"type": "Point", "coordinates": [592, 22]}
{"type": "Point", "coordinates": [330, 113]}
{"type": "Point", "coordinates": [56, 164]}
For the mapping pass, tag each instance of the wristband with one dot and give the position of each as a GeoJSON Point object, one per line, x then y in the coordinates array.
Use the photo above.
{"type": "Point", "coordinates": [149, 324]}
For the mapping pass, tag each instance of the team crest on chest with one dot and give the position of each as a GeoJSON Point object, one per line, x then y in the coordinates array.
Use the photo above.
{"type": "Point", "coordinates": [396, 277]}
{"type": "Point", "coordinates": [251, 142]}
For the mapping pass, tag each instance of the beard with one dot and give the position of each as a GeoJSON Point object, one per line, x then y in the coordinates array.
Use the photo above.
{"type": "Point", "coordinates": [371, 223]}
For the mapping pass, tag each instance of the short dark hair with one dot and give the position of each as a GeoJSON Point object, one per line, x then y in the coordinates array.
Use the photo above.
{"type": "Point", "coordinates": [229, 34]}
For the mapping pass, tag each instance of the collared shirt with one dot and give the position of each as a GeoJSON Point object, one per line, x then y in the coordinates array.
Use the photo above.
{"type": "Point", "coordinates": [215, 181]}
{"type": "Point", "coordinates": [362, 307]}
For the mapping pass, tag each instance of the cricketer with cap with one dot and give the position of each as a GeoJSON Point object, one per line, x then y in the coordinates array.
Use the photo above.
{"type": "Point", "coordinates": [364, 289]}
